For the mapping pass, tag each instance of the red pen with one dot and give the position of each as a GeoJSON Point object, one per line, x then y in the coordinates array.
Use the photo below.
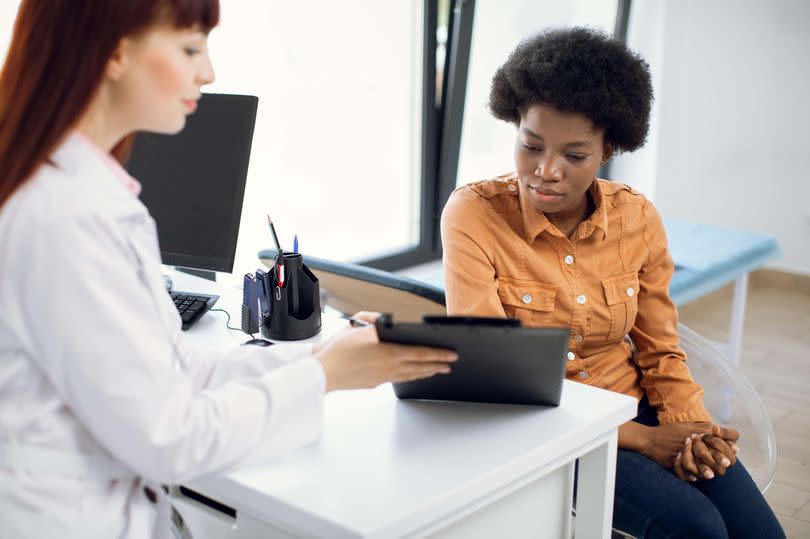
{"type": "Point", "coordinates": [280, 267]}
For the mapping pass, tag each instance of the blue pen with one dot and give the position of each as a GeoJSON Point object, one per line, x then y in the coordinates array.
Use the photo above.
{"type": "Point", "coordinates": [295, 243]}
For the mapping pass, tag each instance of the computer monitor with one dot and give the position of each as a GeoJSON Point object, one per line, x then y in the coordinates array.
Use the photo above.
{"type": "Point", "coordinates": [194, 181]}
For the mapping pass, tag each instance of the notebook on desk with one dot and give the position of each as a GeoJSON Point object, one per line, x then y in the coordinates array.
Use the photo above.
{"type": "Point", "coordinates": [499, 360]}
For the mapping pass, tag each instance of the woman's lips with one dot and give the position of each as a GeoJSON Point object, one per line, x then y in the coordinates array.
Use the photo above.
{"type": "Point", "coordinates": [191, 104]}
{"type": "Point", "coordinates": [544, 195]}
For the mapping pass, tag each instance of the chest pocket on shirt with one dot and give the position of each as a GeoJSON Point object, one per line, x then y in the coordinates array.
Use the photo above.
{"type": "Point", "coordinates": [621, 294]}
{"type": "Point", "coordinates": [531, 302]}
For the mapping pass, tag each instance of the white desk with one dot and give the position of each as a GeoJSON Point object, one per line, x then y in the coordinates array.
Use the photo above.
{"type": "Point", "coordinates": [389, 468]}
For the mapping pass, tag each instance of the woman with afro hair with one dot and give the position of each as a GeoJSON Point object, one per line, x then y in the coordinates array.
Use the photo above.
{"type": "Point", "coordinates": [552, 245]}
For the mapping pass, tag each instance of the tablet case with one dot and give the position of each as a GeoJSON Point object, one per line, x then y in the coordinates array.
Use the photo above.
{"type": "Point", "coordinates": [499, 360]}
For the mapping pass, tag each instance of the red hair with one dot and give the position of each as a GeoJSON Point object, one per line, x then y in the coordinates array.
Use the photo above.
{"type": "Point", "coordinates": [56, 61]}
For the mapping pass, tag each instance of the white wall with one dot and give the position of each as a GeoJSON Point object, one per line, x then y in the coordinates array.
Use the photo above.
{"type": "Point", "coordinates": [729, 146]}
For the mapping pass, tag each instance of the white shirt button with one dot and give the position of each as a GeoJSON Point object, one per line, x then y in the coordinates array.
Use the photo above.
{"type": "Point", "coordinates": [571, 356]}
{"type": "Point", "coordinates": [577, 338]}
{"type": "Point", "coordinates": [511, 187]}
{"type": "Point", "coordinates": [583, 375]}
{"type": "Point", "coordinates": [581, 299]}
{"type": "Point", "coordinates": [569, 259]}
{"type": "Point", "coordinates": [630, 291]}
{"type": "Point", "coordinates": [527, 298]}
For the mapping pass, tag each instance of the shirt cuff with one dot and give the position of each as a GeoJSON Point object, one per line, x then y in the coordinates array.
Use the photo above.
{"type": "Point", "coordinates": [696, 415]}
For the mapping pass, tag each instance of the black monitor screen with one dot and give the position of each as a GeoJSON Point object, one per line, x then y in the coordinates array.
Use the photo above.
{"type": "Point", "coordinates": [194, 181]}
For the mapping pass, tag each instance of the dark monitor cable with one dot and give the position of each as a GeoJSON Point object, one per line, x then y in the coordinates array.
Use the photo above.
{"type": "Point", "coordinates": [228, 322]}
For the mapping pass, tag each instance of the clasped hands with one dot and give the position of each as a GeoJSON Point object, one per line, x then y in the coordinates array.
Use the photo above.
{"type": "Point", "coordinates": [694, 451]}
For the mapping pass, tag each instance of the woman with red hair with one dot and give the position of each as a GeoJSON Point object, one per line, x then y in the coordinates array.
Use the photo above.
{"type": "Point", "coordinates": [101, 398]}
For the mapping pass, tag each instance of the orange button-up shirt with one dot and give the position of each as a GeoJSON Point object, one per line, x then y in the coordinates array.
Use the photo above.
{"type": "Point", "coordinates": [503, 258]}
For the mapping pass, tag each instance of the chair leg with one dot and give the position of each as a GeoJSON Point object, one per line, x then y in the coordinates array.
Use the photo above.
{"type": "Point", "coordinates": [614, 532]}
{"type": "Point", "coordinates": [737, 319]}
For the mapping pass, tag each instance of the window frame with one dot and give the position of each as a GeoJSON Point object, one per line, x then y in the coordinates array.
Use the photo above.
{"type": "Point", "coordinates": [441, 130]}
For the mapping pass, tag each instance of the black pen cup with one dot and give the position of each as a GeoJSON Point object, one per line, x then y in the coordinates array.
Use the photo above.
{"type": "Point", "coordinates": [295, 311]}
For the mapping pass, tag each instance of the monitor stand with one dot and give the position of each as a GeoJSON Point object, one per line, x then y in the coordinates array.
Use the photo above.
{"type": "Point", "coordinates": [205, 274]}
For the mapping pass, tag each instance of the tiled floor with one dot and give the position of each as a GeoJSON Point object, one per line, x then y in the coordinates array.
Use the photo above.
{"type": "Point", "coordinates": [776, 359]}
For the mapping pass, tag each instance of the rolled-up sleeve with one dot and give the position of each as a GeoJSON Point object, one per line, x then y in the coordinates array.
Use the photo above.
{"type": "Point", "coordinates": [665, 376]}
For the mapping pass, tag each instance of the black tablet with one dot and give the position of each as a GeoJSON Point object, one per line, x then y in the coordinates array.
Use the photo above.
{"type": "Point", "coordinates": [499, 360]}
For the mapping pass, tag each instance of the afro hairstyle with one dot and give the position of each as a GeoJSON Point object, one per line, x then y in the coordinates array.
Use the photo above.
{"type": "Point", "coordinates": [578, 70]}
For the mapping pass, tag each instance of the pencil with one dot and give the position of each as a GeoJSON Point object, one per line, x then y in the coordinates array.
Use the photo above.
{"type": "Point", "coordinates": [273, 231]}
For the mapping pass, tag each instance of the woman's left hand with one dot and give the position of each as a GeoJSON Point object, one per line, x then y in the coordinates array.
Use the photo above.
{"type": "Point", "coordinates": [707, 455]}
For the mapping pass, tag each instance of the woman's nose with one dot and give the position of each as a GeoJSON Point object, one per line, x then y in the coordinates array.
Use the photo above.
{"type": "Point", "coordinates": [206, 74]}
{"type": "Point", "coordinates": [548, 170]}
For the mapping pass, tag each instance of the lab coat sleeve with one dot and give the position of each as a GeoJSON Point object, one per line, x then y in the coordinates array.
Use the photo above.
{"type": "Point", "coordinates": [94, 329]}
{"type": "Point", "coordinates": [213, 366]}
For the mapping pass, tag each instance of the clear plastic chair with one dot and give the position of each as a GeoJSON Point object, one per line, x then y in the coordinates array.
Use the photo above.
{"type": "Point", "coordinates": [732, 400]}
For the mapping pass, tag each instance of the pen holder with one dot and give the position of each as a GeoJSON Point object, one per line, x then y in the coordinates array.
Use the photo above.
{"type": "Point", "coordinates": [295, 308]}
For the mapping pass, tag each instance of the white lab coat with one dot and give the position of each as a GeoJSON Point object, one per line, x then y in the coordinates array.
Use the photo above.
{"type": "Point", "coordinates": [95, 370]}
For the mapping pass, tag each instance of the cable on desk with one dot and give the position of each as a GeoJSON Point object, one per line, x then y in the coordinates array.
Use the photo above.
{"type": "Point", "coordinates": [228, 322]}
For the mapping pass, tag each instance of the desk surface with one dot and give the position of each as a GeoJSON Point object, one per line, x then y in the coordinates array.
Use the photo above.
{"type": "Point", "coordinates": [385, 467]}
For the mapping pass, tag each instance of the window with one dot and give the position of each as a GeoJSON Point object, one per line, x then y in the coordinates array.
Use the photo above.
{"type": "Point", "coordinates": [336, 152]}
{"type": "Point", "coordinates": [8, 12]}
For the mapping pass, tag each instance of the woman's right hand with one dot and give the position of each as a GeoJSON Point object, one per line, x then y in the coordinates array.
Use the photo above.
{"type": "Point", "coordinates": [664, 442]}
{"type": "Point", "coordinates": [356, 359]}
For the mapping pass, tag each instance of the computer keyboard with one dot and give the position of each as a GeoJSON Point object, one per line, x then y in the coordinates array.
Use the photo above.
{"type": "Point", "coordinates": [192, 306]}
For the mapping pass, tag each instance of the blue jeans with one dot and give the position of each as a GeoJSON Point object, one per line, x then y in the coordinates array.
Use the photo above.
{"type": "Point", "coordinates": [651, 501]}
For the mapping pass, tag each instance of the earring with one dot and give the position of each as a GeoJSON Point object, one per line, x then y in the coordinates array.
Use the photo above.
{"type": "Point", "coordinates": [604, 161]}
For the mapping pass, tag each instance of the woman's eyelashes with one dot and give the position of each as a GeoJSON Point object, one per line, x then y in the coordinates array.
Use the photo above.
{"type": "Point", "coordinates": [576, 157]}
{"type": "Point", "coordinates": [194, 46]}
{"type": "Point", "coordinates": [532, 148]}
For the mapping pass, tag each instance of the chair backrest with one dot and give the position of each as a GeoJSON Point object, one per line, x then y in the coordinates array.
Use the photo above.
{"type": "Point", "coordinates": [350, 288]}
{"type": "Point", "coordinates": [732, 400]}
